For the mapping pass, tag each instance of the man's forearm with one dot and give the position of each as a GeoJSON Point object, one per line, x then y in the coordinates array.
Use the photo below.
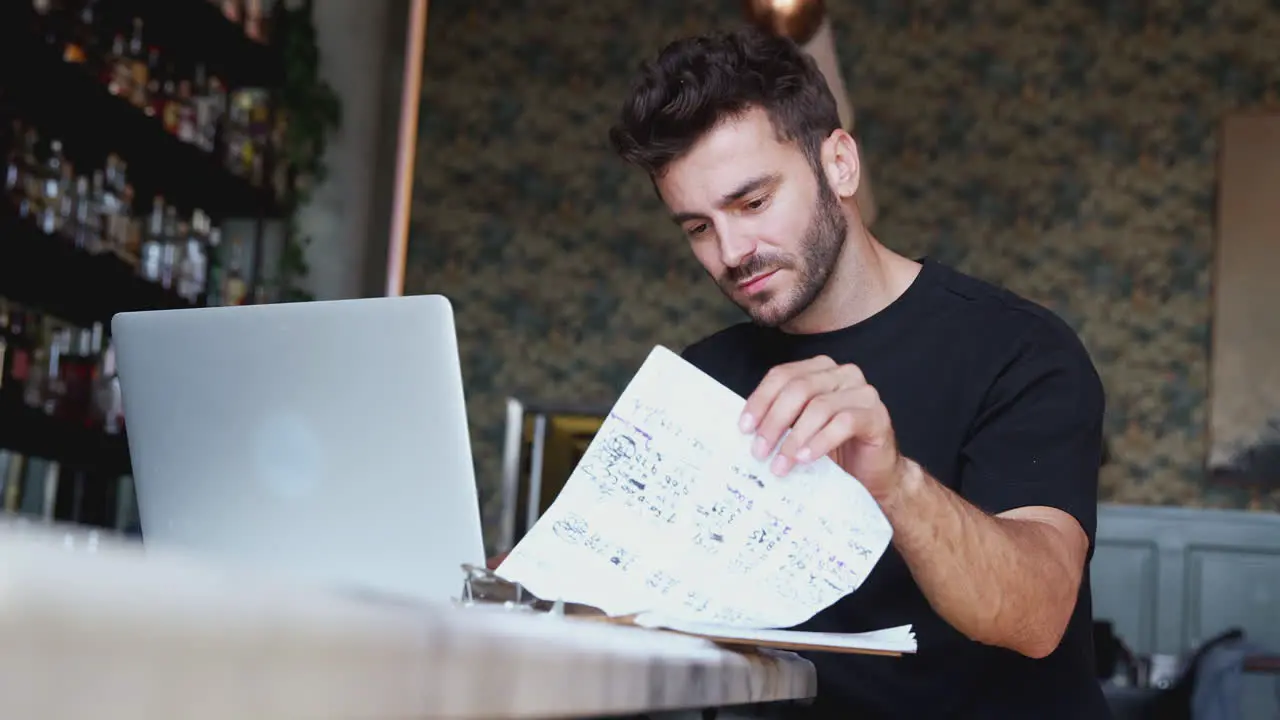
{"type": "Point", "coordinates": [999, 581]}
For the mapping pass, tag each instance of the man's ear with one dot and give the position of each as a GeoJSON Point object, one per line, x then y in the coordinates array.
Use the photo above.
{"type": "Point", "coordinates": [842, 164]}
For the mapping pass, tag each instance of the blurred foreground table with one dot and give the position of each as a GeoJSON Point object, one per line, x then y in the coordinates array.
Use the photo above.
{"type": "Point", "coordinates": [92, 627]}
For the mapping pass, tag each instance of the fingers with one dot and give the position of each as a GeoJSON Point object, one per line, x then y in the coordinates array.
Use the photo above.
{"type": "Point", "coordinates": [786, 394]}
{"type": "Point", "coordinates": [789, 405]}
{"type": "Point", "coordinates": [774, 382]}
{"type": "Point", "coordinates": [828, 422]}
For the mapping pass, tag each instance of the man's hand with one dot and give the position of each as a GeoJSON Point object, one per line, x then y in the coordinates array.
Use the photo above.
{"type": "Point", "coordinates": [829, 409]}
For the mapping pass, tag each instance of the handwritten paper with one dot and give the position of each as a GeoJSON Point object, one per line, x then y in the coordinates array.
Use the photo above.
{"type": "Point", "coordinates": [668, 513]}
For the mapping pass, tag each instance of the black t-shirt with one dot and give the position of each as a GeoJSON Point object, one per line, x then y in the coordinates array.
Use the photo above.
{"type": "Point", "coordinates": [998, 400]}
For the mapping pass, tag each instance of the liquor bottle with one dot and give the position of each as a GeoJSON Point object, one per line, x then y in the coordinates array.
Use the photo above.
{"type": "Point", "coordinates": [96, 231]}
{"type": "Point", "coordinates": [184, 109]}
{"type": "Point", "coordinates": [253, 20]}
{"type": "Point", "coordinates": [67, 202]}
{"type": "Point", "coordinates": [55, 387]}
{"type": "Point", "coordinates": [126, 519]}
{"type": "Point", "coordinates": [17, 357]}
{"type": "Point", "coordinates": [99, 381]}
{"type": "Point", "coordinates": [52, 178]}
{"type": "Point", "coordinates": [42, 348]}
{"type": "Point", "coordinates": [7, 459]}
{"type": "Point", "coordinates": [14, 191]}
{"type": "Point", "coordinates": [152, 90]}
{"type": "Point", "coordinates": [118, 74]}
{"type": "Point", "coordinates": [169, 247]}
{"type": "Point", "coordinates": [233, 10]}
{"type": "Point", "coordinates": [32, 185]}
{"type": "Point", "coordinates": [108, 400]}
{"type": "Point", "coordinates": [150, 255]}
{"type": "Point", "coordinates": [137, 65]}
{"type": "Point", "coordinates": [13, 483]}
{"type": "Point", "coordinates": [69, 496]}
{"type": "Point", "coordinates": [235, 290]}
{"type": "Point", "coordinates": [280, 180]}
{"type": "Point", "coordinates": [46, 20]}
{"type": "Point", "coordinates": [81, 46]}
{"type": "Point", "coordinates": [193, 269]}
{"type": "Point", "coordinates": [151, 250]}
{"type": "Point", "coordinates": [130, 230]}
{"type": "Point", "coordinates": [85, 225]}
{"type": "Point", "coordinates": [164, 98]}
{"type": "Point", "coordinates": [212, 114]}
{"type": "Point", "coordinates": [42, 8]}
{"type": "Point", "coordinates": [235, 134]}
{"type": "Point", "coordinates": [4, 359]}
{"type": "Point", "coordinates": [202, 103]}
{"type": "Point", "coordinates": [113, 209]}
{"type": "Point", "coordinates": [100, 215]}
{"type": "Point", "coordinates": [75, 376]}
{"type": "Point", "coordinates": [214, 283]}
{"type": "Point", "coordinates": [97, 342]}
{"type": "Point", "coordinates": [260, 132]}
{"type": "Point", "coordinates": [39, 487]}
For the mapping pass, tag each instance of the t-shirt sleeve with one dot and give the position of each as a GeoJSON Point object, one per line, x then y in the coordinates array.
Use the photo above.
{"type": "Point", "coordinates": [1038, 437]}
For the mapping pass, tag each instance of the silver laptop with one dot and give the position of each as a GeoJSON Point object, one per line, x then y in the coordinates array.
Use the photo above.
{"type": "Point", "coordinates": [325, 441]}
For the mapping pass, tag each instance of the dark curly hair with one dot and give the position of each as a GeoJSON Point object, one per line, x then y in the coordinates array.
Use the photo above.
{"type": "Point", "coordinates": [698, 82]}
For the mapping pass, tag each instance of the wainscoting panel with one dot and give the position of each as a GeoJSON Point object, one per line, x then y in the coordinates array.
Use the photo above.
{"type": "Point", "coordinates": [1171, 578]}
{"type": "Point", "coordinates": [1128, 570]}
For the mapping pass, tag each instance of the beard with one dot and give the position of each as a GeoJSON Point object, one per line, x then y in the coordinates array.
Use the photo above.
{"type": "Point", "coordinates": [821, 245]}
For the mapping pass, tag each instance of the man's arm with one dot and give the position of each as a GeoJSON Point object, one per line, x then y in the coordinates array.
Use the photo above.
{"type": "Point", "coordinates": [1003, 563]}
{"type": "Point", "coordinates": [1009, 580]}
{"type": "Point", "coordinates": [1029, 480]}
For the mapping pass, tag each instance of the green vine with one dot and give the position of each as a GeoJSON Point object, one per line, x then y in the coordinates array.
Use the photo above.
{"type": "Point", "coordinates": [311, 111]}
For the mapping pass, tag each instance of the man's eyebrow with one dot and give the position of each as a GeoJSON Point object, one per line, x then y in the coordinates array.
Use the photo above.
{"type": "Point", "coordinates": [749, 187]}
{"type": "Point", "coordinates": [743, 190]}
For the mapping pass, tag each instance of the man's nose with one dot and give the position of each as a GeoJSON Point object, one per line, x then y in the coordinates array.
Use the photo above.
{"type": "Point", "coordinates": [735, 247]}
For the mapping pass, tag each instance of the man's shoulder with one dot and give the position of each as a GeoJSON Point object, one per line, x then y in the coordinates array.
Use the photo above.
{"type": "Point", "coordinates": [1007, 321]}
{"type": "Point", "coordinates": [1021, 342]}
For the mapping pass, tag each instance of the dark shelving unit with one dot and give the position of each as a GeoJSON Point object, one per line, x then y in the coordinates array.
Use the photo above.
{"type": "Point", "coordinates": [52, 274]}
{"type": "Point", "coordinates": [76, 107]}
{"type": "Point", "coordinates": [70, 102]}
{"type": "Point", "coordinates": [33, 433]}
{"type": "Point", "coordinates": [195, 31]}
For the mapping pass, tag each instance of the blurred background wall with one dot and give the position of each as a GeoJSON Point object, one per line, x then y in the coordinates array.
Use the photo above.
{"type": "Point", "coordinates": [1064, 149]}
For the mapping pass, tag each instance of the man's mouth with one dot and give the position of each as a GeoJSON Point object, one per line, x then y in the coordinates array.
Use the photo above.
{"type": "Point", "coordinates": [756, 283]}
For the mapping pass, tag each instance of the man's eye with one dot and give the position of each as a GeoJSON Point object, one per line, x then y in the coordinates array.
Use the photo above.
{"type": "Point", "coordinates": [697, 230]}
{"type": "Point", "coordinates": [757, 204]}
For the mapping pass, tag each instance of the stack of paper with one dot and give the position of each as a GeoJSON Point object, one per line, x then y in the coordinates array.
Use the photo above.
{"type": "Point", "coordinates": [893, 640]}
{"type": "Point", "coordinates": [668, 517]}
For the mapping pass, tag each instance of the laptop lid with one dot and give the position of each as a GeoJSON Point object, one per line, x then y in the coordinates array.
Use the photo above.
{"type": "Point", "coordinates": [325, 440]}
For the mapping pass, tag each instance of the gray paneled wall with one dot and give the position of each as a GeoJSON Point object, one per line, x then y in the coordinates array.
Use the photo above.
{"type": "Point", "coordinates": [1171, 578]}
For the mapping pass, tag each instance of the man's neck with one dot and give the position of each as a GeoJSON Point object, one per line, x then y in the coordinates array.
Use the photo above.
{"type": "Point", "coordinates": [867, 278]}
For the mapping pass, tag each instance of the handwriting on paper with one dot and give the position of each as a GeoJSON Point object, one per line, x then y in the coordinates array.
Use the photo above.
{"type": "Point", "coordinates": [668, 512]}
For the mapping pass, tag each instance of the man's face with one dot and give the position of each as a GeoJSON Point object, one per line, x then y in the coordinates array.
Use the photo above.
{"type": "Point", "coordinates": [763, 225]}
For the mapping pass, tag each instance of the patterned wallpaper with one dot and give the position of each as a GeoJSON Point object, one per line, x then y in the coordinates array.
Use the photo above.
{"type": "Point", "coordinates": [1064, 149]}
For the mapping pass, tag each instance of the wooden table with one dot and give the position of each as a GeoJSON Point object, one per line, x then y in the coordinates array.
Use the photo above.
{"type": "Point", "coordinates": [90, 627]}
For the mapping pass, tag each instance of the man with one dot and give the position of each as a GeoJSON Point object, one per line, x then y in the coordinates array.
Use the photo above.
{"type": "Point", "coordinates": [972, 416]}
